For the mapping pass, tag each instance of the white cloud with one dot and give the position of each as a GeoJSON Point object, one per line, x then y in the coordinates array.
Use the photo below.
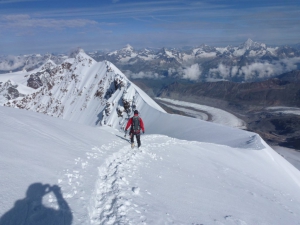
{"type": "Point", "coordinates": [256, 70]}
{"type": "Point", "coordinates": [141, 74]}
{"type": "Point", "coordinates": [192, 73]}
{"type": "Point", "coordinates": [14, 1]}
{"type": "Point", "coordinates": [15, 17]}
{"type": "Point", "coordinates": [171, 71]}
{"type": "Point", "coordinates": [11, 63]}
{"type": "Point", "coordinates": [221, 70]}
{"type": "Point", "coordinates": [25, 21]}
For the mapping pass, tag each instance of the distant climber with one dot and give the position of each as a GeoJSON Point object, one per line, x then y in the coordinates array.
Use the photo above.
{"type": "Point", "coordinates": [137, 125]}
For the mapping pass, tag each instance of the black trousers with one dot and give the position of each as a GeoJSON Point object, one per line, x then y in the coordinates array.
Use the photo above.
{"type": "Point", "coordinates": [138, 138]}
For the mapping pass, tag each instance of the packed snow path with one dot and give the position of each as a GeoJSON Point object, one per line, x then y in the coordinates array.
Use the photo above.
{"type": "Point", "coordinates": [160, 184]}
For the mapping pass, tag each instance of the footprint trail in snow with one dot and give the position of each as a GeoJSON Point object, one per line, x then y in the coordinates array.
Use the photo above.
{"type": "Point", "coordinates": [112, 202]}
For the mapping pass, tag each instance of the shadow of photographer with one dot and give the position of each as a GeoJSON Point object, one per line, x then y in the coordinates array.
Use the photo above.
{"type": "Point", "coordinates": [31, 211]}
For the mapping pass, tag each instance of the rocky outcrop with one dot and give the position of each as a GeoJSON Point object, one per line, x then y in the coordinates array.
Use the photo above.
{"type": "Point", "coordinates": [34, 81]}
{"type": "Point", "coordinates": [9, 90]}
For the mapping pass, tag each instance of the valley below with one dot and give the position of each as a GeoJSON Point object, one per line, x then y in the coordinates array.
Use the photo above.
{"type": "Point", "coordinates": [278, 126]}
{"type": "Point", "coordinates": [270, 108]}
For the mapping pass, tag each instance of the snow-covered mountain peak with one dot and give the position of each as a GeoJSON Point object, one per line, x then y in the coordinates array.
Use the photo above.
{"type": "Point", "coordinates": [48, 65]}
{"type": "Point", "coordinates": [169, 55]}
{"type": "Point", "coordinates": [128, 47]}
{"type": "Point", "coordinates": [81, 59]}
{"type": "Point", "coordinates": [249, 44]}
{"type": "Point", "coordinates": [80, 89]}
{"type": "Point", "coordinates": [75, 52]}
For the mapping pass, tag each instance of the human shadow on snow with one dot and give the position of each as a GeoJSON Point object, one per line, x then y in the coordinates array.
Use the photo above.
{"type": "Point", "coordinates": [31, 211]}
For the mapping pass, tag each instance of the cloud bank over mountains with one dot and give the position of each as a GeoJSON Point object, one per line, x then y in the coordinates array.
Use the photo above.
{"type": "Point", "coordinates": [255, 70]}
{"type": "Point", "coordinates": [247, 62]}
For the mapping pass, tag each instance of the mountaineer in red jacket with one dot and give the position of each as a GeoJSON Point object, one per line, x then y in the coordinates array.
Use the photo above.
{"type": "Point", "coordinates": [137, 125]}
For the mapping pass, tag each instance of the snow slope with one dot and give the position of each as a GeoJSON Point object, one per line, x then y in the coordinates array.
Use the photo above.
{"type": "Point", "coordinates": [167, 181]}
{"type": "Point", "coordinates": [289, 154]}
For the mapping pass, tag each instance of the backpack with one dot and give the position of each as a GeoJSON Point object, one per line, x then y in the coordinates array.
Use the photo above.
{"type": "Point", "coordinates": [136, 124]}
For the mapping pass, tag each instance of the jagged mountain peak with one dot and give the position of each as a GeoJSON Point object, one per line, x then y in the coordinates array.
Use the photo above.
{"type": "Point", "coordinates": [82, 90]}
{"type": "Point", "coordinates": [207, 48]}
{"type": "Point", "coordinates": [75, 52]}
{"type": "Point", "coordinates": [127, 50]}
{"type": "Point", "coordinates": [128, 47]}
{"type": "Point", "coordinates": [81, 58]}
{"type": "Point", "coordinates": [167, 52]}
{"type": "Point", "coordinates": [49, 64]}
{"type": "Point", "coordinates": [123, 54]}
{"type": "Point", "coordinates": [249, 44]}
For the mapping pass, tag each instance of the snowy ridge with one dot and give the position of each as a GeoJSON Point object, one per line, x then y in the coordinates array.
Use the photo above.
{"type": "Point", "coordinates": [81, 90]}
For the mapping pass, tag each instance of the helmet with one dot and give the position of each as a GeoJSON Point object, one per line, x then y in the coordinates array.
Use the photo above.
{"type": "Point", "coordinates": [136, 112]}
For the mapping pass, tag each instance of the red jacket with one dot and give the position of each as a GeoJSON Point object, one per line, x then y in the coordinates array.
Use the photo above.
{"type": "Point", "coordinates": [129, 123]}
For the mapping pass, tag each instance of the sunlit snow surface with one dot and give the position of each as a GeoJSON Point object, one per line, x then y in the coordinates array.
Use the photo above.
{"type": "Point", "coordinates": [167, 181]}
{"type": "Point", "coordinates": [291, 155]}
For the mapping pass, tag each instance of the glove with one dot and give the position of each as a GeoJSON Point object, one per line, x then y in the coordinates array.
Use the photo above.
{"type": "Point", "coordinates": [143, 132]}
{"type": "Point", "coordinates": [125, 133]}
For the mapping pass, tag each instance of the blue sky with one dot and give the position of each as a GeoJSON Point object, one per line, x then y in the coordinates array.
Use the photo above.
{"type": "Point", "coordinates": [39, 26]}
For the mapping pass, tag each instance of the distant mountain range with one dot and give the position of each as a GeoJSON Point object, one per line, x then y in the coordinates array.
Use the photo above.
{"type": "Point", "coordinates": [250, 61]}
